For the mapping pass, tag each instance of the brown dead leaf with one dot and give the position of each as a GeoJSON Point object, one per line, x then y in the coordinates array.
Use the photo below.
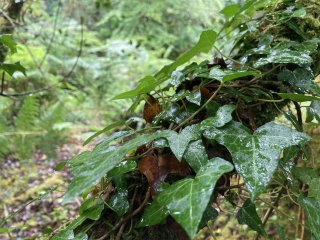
{"type": "Point", "coordinates": [156, 169]}
{"type": "Point", "coordinates": [151, 109]}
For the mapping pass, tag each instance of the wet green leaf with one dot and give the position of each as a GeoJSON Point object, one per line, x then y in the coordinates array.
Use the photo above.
{"type": "Point", "coordinates": [146, 85]}
{"type": "Point", "coordinates": [230, 10]}
{"type": "Point", "coordinates": [194, 97]}
{"type": "Point", "coordinates": [284, 56]}
{"type": "Point", "coordinates": [179, 142]}
{"type": "Point", "coordinates": [229, 74]}
{"type": "Point", "coordinates": [222, 117]}
{"type": "Point", "coordinates": [89, 167]}
{"type": "Point", "coordinates": [107, 128]}
{"type": "Point", "coordinates": [298, 97]}
{"type": "Point", "coordinates": [256, 155]}
{"type": "Point", "coordinates": [311, 207]}
{"type": "Point", "coordinates": [248, 215]}
{"type": "Point", "coordinates": [300, 79]}
{"type": "Point", "coordinates": [204, 45]}
{"type": "Point", "coordinates": [119, 202]}
{"type": "Point", "coordinates": [177, 77]}
{"type": "Point", "coordinates": [196, 155]}
{"type": "Point", "coordinates": [149, 83]}
{"type": "Point", "coordinates": [186, 200]}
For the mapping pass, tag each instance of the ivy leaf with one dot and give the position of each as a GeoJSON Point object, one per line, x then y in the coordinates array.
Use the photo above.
{"type": "Point", "coordinates": [230, 10]}
{"type": "Point", "coordinates": [186, 200]}
{"type": "Point", "coordinates": [89, 167]}
{"type": "Point", "coordinates": [298, 97]}
{"type": "Point", "coordinates": [149, 83]}
{"type": "Point", "coordinates": [119, 201]}
{"type": "Point", "coordinates": [300, 79]}
{"type": "Point", "coordinates": [179, 142]}
{"type": "Point", "coordinates": [256, 155]}
{"type": "Point", "coordinates": [285, 56]}
{"type": "Point", "coordinates": [204, 45]}
{"type": "Point", "coordinates": [194, 97]}
{"type": "Point", "coordinates": [146, 85]}
{"type": "Point", "coordinates": [196, 155]}
{"type": "Point", "coordinates": [311, 207]}
{"type": "Point", "coordinates": [11, 68]}
{"type": "Point", "coordinates": [248, 215]}
{"type": "Point", "coordinates": [222, 117]}
{"type": "Point", "coordinates": [229, 74]}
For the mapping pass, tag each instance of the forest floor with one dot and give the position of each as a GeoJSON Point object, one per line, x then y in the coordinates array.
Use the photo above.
{"type": "Point", "coordinates": [31, 194]}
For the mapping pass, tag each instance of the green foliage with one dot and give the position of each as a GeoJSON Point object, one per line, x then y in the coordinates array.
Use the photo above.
{"type": "Point", "coordinates": [213, 110]}
{"type": "Point", "coordinates": [187, 199]}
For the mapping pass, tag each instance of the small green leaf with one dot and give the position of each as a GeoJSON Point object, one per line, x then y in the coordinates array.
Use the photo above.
{"type": "Point", "coordinates": [196, 155]}
{"type": "Point", "coordinates": [186, 200]}
{"type": "Point", "coordinates": [11, 68]}
{"type": "Point", "coordinates": [256, 156]}
{"type": "Point", "coordinates": [300, 13]}
{"type": "Point", "coordinates": [300, 79]}
{"type": "Point", "coordinates": [177, 77]}
{"type": "Point", "coordinates": [314, 110]}
{"type": "Point", "coordinates": [204, 45]}
{"type": "Point", "coordinates": [194, 97]}
{"type": "Point", "coordinates": [107, 128]}
{"type": "Point", "coordinates": [285, 56]}
{"type": "Point", "coordinates": [248, 215]}
{"type": "Point", "coordinates": [298, 97]}
{"type": "Point", "coordinates": [179, 142]}
{"type": "Point", "coordinates": [311, 207]}
{"type": "Point", "coordinates": [230, 10]}
{"type": "Point", "coordinates": [9, 42]}
{"type": "Point", "coordinates": [222, 117]}
{"type": "Point", "coordinates": [306, 174]}
{"type": "Point", "coordinates": [47, 230]}
{"type": "Point", "coordinates": [119, 202]}
{"type": "Point", "coordinates": [230, 74]}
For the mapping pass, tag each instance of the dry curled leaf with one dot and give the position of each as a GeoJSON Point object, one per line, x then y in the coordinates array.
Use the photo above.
{"type": "Point", "coordinates": [156, 168]}
{"type": "Point", "coordinates": [151, 109]}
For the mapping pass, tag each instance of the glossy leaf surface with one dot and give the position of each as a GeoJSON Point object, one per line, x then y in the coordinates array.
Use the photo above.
{"type": "Point", "coordinates": [89, 167]}
{"type": "Point", "coordinates": [187, 199]}
{"type": "Point", "coordinates": [256, 155]}
{"type": "Point", "coordinates": [196, 155]}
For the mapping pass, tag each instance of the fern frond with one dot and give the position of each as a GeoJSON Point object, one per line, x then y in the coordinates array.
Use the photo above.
{"type": "Point", "coordinates": [28, 114]}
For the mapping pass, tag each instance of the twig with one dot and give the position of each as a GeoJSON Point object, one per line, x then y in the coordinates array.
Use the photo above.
{"type": "Point", "coordinates": [42, 73]}
{"type": "Point", "coordinates": [129, 216]}
{"type": "Point", "coordinates": [202, 107]}
{"type": "Point", "coordinates": [270, 209]}
{"type": "Point", "coordinates": [53, 34]}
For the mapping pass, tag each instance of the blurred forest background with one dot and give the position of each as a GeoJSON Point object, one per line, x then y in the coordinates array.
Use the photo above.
{"type": "Point", "coordinates": [68, 59]}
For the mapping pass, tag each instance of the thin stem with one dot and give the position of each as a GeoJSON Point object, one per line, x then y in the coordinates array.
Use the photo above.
{"type": "Point", "coordinates": [202, 107]}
